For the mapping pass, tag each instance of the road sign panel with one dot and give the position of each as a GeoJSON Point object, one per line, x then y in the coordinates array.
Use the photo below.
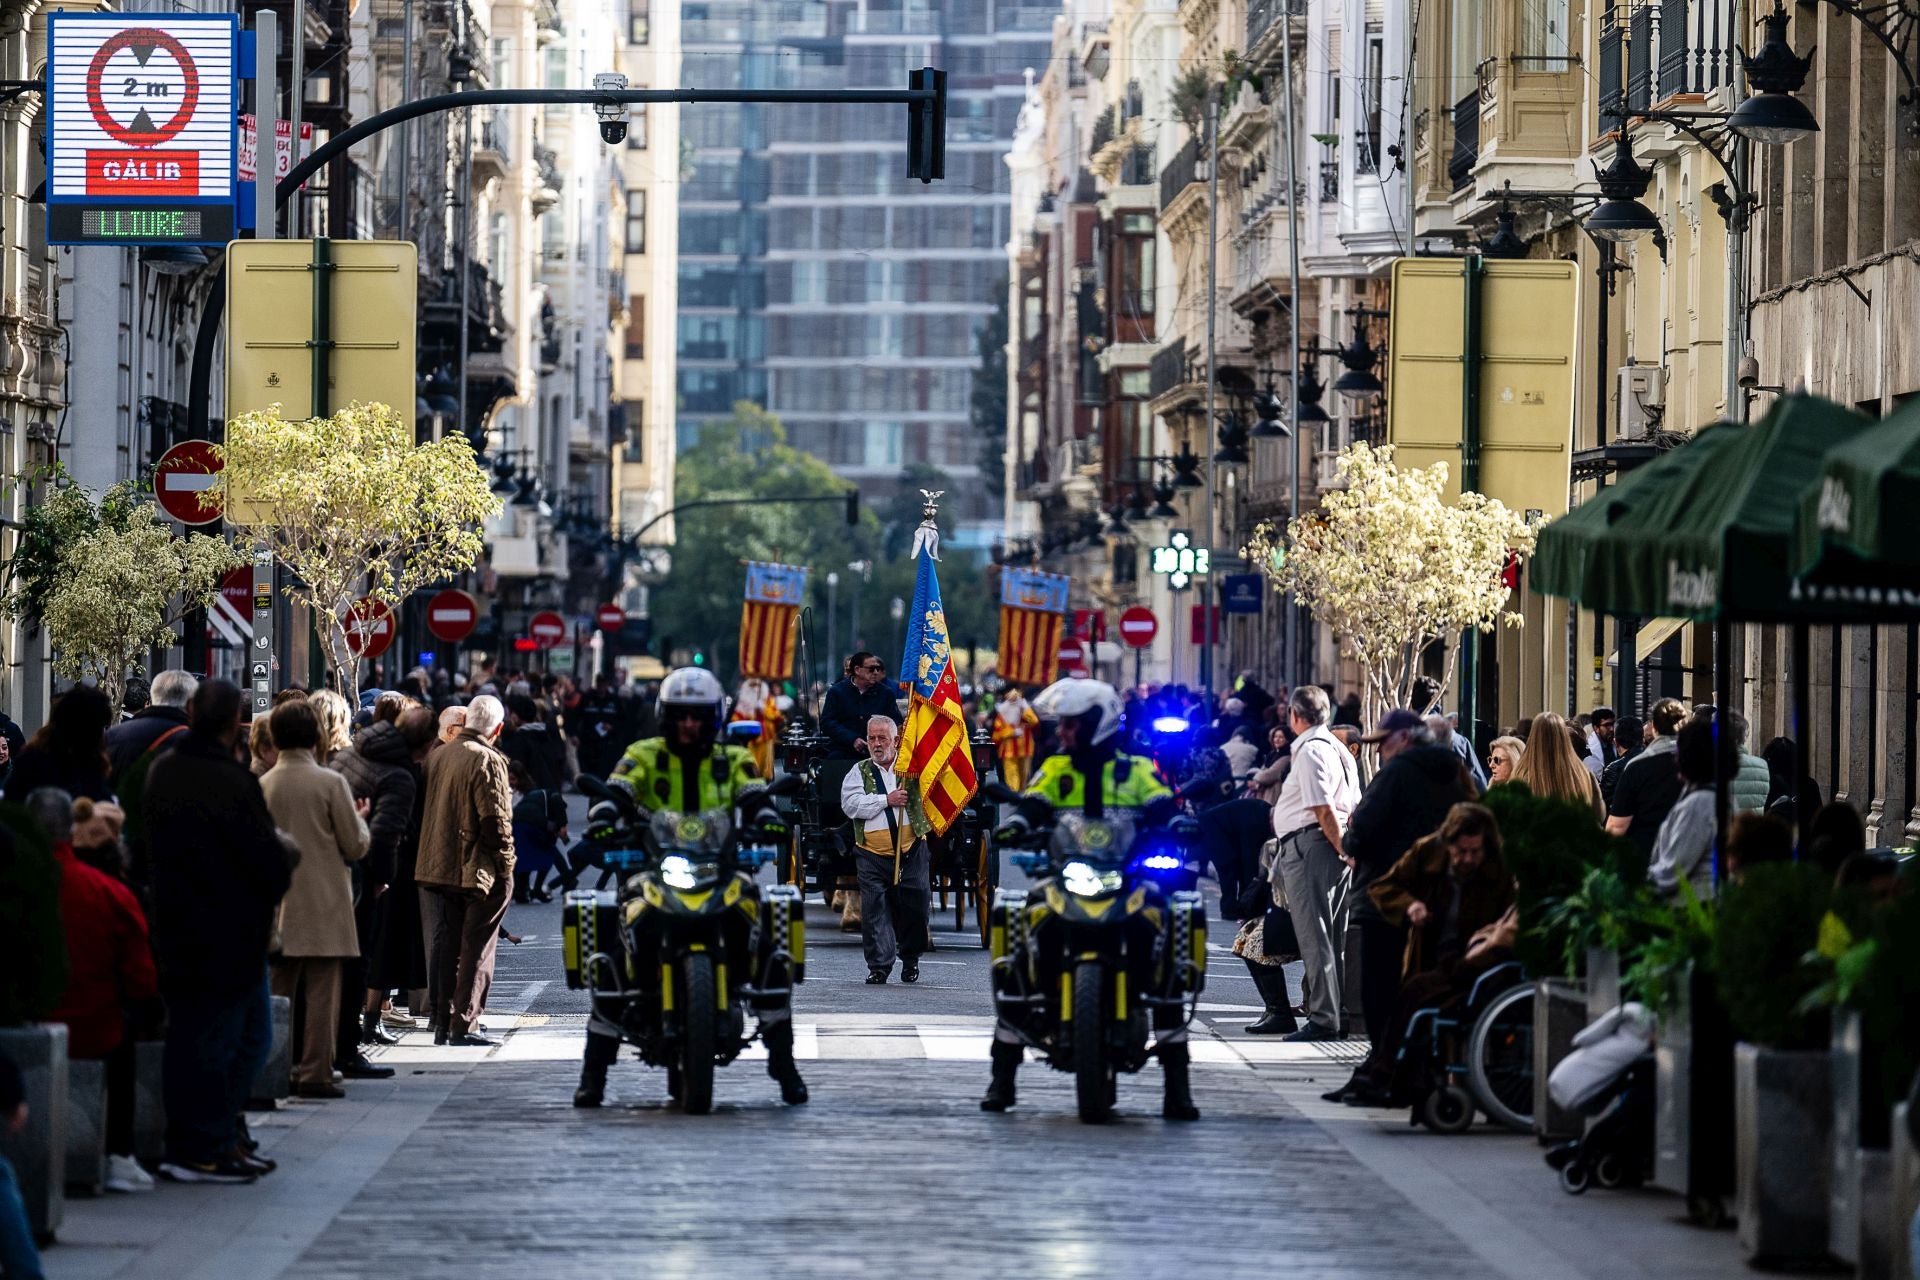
{"type": "Point", "coordinates": [547, 629]}
{"type": "Point", "coordinates": [452, 615]}
{"type": "Point", "coordinates": [1073, 656]}
{"type": "Point", "coordinates": [141, 138]}
{"type": "Point", "coordinates": [186, 482]}
{"type": "Point", "coordinates": [370, 627]}
{"type": "Point", "coordinates": [1138, 626]}
{"type": "Point", "coordinates": [610, 617]}
{"type": "Point", "coordinates": [249, 150]}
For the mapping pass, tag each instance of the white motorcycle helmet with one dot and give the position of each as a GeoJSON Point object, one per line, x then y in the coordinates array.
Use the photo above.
{"type": "Point", "coordinates": [692, 687]}
{"type": "Point", "coordinates": [1092, 702]}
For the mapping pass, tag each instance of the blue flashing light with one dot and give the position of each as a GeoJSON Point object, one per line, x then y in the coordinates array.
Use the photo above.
{"type": "Point", "coordinates": [1171, 724]}
{"type": "Point", "coordinates": [1161, 862]}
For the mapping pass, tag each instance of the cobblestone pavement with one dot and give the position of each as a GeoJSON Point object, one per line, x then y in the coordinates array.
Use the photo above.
{"type": "Point", "coordinates": [473, 1163]}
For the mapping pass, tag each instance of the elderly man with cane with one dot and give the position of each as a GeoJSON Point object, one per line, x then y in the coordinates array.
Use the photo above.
{"type": "Point", "coordinates": [890, 858]}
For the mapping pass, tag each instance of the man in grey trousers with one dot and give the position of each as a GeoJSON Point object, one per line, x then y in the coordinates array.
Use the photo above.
{"type": "Point", "coordinates": [1310, 819]}
{"type": "Point", "coordinates": [891, 859]}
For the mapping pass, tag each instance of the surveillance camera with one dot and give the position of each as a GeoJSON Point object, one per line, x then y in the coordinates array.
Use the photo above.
{"type": "Point", "coordinates": [613, 115]}
{"type": "Point", "coordinates": [1748, 374]}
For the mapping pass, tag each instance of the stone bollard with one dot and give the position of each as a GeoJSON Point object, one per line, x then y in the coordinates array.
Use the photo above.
{"type": "Point", "coordinates": [1559, 1014]}
{"type": "Point", "coordinates": [38, 1152]}
{"type": "Point", "coordinates": [275, 1082]}
{"type": "Point", "coordinates": [86, 1125]}
{"type": "Point", "coordinates": [149, 1101]}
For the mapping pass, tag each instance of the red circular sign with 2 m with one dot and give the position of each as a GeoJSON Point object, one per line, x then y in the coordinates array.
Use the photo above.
{"type": "Point", "coordinates": [135, 74]}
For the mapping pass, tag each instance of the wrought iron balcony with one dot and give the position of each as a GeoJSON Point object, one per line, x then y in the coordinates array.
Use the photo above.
{"type": "Point", "coordinates": [1182, 172]}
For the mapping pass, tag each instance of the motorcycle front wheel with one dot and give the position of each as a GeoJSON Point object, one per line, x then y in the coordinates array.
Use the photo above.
{"type": "Point", "coordinates": [1092, 1076]}
{"type": "Point", "coordinates": [699, 1031]}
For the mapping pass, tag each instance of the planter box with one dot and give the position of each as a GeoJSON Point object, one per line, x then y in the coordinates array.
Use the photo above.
{"type": "Point", "coordinates": [1559, 1014]}
{"type": "Point", "coordinates": [275, 1082]}
{"type": "Point", "coordinates": [39, 1151]}
{"type": "Point", "coordinates": [1783, 1109]}
{"type": "Point", "coordinates": [149, 1101]}
{"type": "Point", "coordinates": [1603, 982]}
{"type": "Point", "coordinates": [1903, 1195]}
{"type": "Point", "coordinates": [1860, 1182]}
{"type": "Point", "coordinates": [86, 1125]}
{"type": "Point", "coordinates": [1693, 1086]}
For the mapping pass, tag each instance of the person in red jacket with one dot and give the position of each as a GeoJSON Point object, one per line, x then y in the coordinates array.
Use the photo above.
{"type": "Point", "coordinates": [109, 973]}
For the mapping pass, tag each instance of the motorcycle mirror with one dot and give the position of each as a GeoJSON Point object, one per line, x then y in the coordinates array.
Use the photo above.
{"type": "Point", "coordinates": [592, 788]}
{"type": "Point", "coordinates": [743, 730]}
{"type": "Point", "coordinates": [1000, 791]}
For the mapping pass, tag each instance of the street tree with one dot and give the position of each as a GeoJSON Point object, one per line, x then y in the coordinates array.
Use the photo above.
{"type": "Point", "coordinates": [109, 581]}
{"type": "Point", "coordinates": [1394, 569]}
{"type": "Point", "coordinates": [353, 507]}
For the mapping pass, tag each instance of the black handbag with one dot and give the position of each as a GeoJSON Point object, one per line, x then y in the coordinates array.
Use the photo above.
{"type": "Point", "coordinates": [1253, 897]}
{"type": "Point", "coordinates": [1277, 934]}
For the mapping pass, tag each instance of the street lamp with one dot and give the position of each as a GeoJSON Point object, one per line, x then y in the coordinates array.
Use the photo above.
{"type": "Point", "coordinates": [1772, 115]}
{"type": "Point", "coordinates": [1620, 217]}
{"type": "Point", "coordinates": [1359, 358]}
{"type": "Point", "coordinates": [1307, 390]}
{"type": "Point", "coordinates": [1269, 422]}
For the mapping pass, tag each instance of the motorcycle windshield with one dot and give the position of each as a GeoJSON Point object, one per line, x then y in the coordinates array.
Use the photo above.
{"type": "Point", "coordinates": [1103, 840]}
{"type": "Point", "coordinates": [691, 833]}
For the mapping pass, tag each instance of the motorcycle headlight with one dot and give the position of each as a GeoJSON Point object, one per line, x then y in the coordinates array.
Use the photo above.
{"type": "Point", "coordinates": [1087, 881]}
{"type": "Point", "coordinates": [1161, 862]}
{"type": "Point", "coordinates": [678, 872]}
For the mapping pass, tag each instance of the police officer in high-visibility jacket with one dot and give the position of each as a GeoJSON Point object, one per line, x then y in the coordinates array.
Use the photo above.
{"type": "Point", "coordinates": [1090, 773]}
{"type": "Point", "coordinates": [687, 770]}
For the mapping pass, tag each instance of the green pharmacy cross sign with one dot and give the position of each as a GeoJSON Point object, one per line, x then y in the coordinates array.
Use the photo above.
{"type": "Point", "coordinates": [1181, 561]}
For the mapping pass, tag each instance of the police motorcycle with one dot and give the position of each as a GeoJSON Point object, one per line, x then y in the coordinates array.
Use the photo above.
{"type": "Point", "coordinates": [1100, 965]}
{"type": "Point", "coordinates": [678, 954]}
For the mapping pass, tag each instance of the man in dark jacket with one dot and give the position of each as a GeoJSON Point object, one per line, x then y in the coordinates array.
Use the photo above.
{"type": "Point", "coordinates": [131, 739]}
{"type": "Point", "coordinates": [852, 701]}
{"type": "Point", "coordinates": [219, 871]}
{"type": "Point", "coordinates": [1418, 782]}
{"type": "Point", "coordinates": [379, 768]}
{"type": "Point", "coordinates": [534, 744]}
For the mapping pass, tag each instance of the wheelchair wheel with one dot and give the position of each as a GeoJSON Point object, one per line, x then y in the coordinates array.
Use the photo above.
{"type": "Point", "coordinates": [1575, 1177]}
{"type": "Point", "coordinates": [1608, 1171]}
{"type": "Point", "coordinates": [1448, 1109]}
{"type": "Point", "coordinates": [1500, 1059]}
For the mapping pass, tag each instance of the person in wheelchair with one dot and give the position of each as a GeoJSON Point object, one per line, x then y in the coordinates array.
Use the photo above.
{"type": "Point", "coordinates": [1448, 891]}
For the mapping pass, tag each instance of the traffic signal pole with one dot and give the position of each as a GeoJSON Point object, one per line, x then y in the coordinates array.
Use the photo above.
{"type": "Point", "coordinates": [925, 100]}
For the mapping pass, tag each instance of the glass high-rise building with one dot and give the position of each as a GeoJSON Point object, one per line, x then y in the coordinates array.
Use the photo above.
{"type": "Point", "coordinates": [815, 277]}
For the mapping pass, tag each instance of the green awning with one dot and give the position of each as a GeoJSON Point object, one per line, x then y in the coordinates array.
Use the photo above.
{"type": "Point", "coordinates": [1862, 483]}
{"type": "Point", "coordinates": [1714, 536]}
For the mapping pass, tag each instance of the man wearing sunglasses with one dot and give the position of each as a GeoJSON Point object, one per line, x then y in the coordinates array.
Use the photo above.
{"type": "Point", "coordinates": [851, 702]}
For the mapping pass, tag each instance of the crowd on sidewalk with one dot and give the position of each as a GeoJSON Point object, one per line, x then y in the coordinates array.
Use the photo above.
{"type": "Point", "coordinates": [357, 861]}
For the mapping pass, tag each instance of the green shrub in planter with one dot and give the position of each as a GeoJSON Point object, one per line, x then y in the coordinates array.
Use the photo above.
{"type": "Point", "coordinates": [1552, 846]}
{"type": "Point", "coordinates": [1768, 920]}
{"type": "Point", "coordinates": [1677, 947]}
{"type": "Point", "coordinates": [33, 947]}
{"type": "Point", "coordinates": [1869, 957]}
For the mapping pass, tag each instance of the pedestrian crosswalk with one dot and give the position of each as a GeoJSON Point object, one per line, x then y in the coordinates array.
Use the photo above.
{"type": "Point", "coordinates": [857, 1037]}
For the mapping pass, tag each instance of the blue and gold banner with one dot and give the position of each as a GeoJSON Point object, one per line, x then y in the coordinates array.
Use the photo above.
{"type": "Point", "coordinates": [1031, 589]}
{"type": "Point", "coordinates": [775, 583]}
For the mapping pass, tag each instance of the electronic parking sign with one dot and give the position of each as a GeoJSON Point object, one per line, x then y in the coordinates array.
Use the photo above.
{"type": "Point", "coordinates": [141, 128]}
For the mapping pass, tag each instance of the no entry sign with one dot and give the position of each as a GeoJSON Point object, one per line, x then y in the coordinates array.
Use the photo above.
{"type": "Point", "coordinates": [140, 140]}
{"type": "Point", "coordinates": [186, 482]}
{"type": "Point", "coordinates": [369, 627]}
{"type": "Point", "coordinates": [452, 615]}
{"type": "Point", "coordinates": [1138, 626]}
{"type": "Point", "coordinates": [610, 617]}
{"type": "Point", "coordinates": [547, 629]}
{"type": "Point", "coordinates": [1073, 656]}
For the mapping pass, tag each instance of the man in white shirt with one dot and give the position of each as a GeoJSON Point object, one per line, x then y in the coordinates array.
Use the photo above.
{"type": "Point", "coordinates": [890, 858]}
{"type": "Point", "coordinates": [1310, 819]}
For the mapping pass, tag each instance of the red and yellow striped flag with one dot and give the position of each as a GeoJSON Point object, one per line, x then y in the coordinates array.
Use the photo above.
{"type": "Point", "coordinates": [1029, 645]}
{"type": "Point", "coordinates": [768, 617]}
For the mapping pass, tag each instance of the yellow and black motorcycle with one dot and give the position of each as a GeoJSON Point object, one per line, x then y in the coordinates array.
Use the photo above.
{"type": "Point", "coordinates": [1099, 966]}
{"type": "Point", "coordinates": [688, 946]}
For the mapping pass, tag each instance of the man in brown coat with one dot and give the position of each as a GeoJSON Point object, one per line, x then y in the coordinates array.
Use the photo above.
{"type": "Point", "coordinates": [465, 871]}
{"type": "Point", "coordinates": [315, 807]}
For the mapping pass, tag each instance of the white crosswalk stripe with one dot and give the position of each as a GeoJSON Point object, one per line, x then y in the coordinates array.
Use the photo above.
{"type": "Point", "coordinates": [869, 1038]}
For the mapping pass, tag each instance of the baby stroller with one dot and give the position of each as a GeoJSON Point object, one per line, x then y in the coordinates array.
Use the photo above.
{"type": "Point", "coordinates": [1472, 1054]}
{"type": "Point", "coordinates": [1608, 1078]}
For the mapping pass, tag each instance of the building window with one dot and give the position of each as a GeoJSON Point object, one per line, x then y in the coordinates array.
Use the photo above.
{"type": "Point", "coordinates": [555, 61]}
{"type": "Point", "coordinates": [1136, 257]}
{"type": "Point", "coordinates": [637, 24]}
{"type": "Point", "coordinates": [637, 125]}
{"type": "Point", "coordinates": [637, 327]}
{"type": "Point", "coordinates": [1543, 31]}
{"type": "Point", "coordinates": [636, 221]}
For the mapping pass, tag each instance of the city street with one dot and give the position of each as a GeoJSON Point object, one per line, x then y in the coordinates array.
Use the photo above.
{"type": "Point", "coordinates": [473, 1163]}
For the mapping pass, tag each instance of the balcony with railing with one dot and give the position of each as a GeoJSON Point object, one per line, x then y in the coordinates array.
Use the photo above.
{"type": "Point", "coordinates": [493, 149]}
{"type": "Point", "coordinates": [1613, 52]}
{"type": "Point", "coordinates": [1696, 47]}
{"type": "Point", "coordinates": [1640, 29]}
{"type": "Point", "coordinates": [1330, 180]}
{"type": "Point", "coordinates": [1263, 14]}
{"type": "Point", "coordinates": [1466, 141]}
{"type": "Point", "coordinates": [1181, 172]}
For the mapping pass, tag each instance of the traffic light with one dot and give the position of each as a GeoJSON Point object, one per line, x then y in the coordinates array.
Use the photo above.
{"type": "Point", "coordinates": [927, 126]}
{"type": "Point", "coordinates": [853, 507]}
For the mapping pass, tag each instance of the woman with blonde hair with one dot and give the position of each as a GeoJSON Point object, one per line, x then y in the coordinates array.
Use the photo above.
{"type": "Point", "coordinates": [1503, 757]}
{"type": "Point", "coordinates": [336, 723]}
{"type": "Point", "coordinates": [1548, 766]}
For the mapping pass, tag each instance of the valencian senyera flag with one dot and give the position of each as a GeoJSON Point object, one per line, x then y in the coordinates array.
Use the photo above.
{"type": "Point", "coordinates": [767, 618]}
{"type": "Point", "coordinates": [1032, 609]}
{"type": "Point", "coordinates": [933, 742]}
